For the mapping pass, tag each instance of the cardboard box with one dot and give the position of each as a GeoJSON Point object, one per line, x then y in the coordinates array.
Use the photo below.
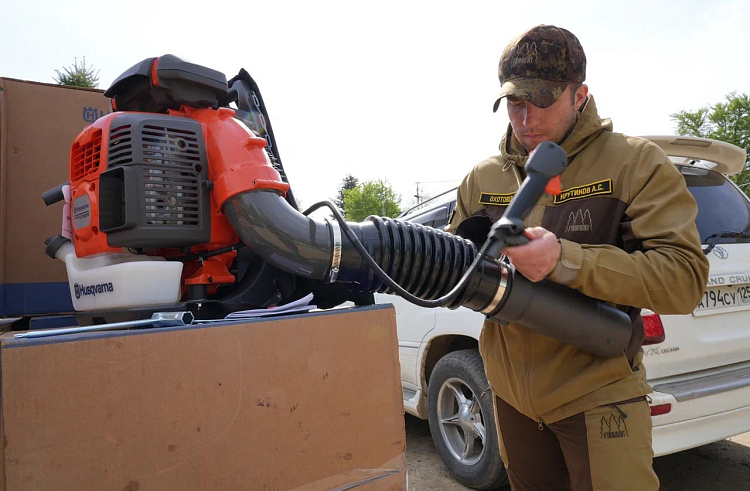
{"type": "Point", "coordinates": [38, 123]}
{"type": "Point", "coordinates": [307, 402]}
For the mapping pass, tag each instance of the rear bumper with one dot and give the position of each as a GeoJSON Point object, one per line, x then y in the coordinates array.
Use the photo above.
{"type": "Point", "coordinates": [675, 437]}
{"type": "Point", "coordinates": [698, 421]}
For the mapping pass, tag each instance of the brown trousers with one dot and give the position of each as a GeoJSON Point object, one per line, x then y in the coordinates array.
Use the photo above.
{"type": "Point", "coordinates": [607, 448]}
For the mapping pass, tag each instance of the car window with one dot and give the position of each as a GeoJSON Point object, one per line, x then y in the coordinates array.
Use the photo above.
{"type": "Point", "coordinates": [721, 206]}
{"type": "Point", "coordinates": [433, 217]}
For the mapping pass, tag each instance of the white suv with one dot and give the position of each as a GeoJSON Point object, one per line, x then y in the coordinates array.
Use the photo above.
{"type": "Point", "coordinates": [697, 364]}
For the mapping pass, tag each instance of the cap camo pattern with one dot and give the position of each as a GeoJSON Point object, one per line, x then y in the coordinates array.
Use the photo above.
{"type": "Point", "coordinates": [538, 65]}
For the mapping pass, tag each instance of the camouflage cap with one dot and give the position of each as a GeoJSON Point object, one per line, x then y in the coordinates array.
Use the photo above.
{"type": "Point", "coordinates": [538, 65]}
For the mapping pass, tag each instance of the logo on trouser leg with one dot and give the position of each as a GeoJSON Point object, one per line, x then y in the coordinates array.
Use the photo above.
{"type": "Point", "coordinates": [614, 427]}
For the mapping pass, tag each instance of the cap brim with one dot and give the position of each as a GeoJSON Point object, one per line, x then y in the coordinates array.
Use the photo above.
{"type": "Point", "coordinates": [541, 93]}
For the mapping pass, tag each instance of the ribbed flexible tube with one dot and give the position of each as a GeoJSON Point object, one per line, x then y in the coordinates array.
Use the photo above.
{"type": "Point", "coordinates": [426, 262]}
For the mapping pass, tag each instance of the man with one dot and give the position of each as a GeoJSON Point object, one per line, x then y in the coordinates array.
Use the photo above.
{"type": "Point", "coordinates": [623, 230]}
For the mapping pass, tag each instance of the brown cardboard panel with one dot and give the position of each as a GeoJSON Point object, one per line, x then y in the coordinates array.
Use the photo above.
{"type": "Point", "coordinates": [389, 477]}
{"type": "Point", "coordinates": [38, 123]}
{"type": "Point", "coordinates": [311, 402]}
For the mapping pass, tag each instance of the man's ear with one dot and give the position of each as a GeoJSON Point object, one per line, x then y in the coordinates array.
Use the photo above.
{"type": "Point", "coordinates": [581, 94]}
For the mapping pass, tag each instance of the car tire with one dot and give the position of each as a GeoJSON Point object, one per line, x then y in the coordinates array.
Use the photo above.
{"type": "Point", "coordinates": [462, 421]}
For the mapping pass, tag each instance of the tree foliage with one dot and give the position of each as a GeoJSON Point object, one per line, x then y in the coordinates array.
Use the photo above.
{"type": "Point", "coordinates": [347, 183]}
{"type": "Point", "coordinates": [78, 75]}
{"type": "Point", "coordinates": [727, 121]}
{"type": "Point", "coordinates": [371, 198]}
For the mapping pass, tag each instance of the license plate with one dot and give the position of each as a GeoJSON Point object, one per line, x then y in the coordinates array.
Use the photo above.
{"type": "Point", "coordinates": [733, 297]}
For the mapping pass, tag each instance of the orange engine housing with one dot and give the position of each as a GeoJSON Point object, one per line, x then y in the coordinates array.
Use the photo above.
{"type": "Point", "coordinates": [156, 184]}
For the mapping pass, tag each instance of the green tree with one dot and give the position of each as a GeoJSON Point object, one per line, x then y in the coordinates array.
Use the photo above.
{"type": "Point", "coordinates": [78, 75]}
{"type": "Point", "coordinates": [727, 121]}
{"type": "Point", "coordinates": [347, 183]}
{"type": "Point", "coordinates": [371, 198]}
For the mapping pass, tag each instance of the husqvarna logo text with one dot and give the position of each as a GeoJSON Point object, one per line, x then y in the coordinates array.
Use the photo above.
{"type": "Point", "coordinates": [82, 291]}
{"type": "Point", "coordinates": [579, 221]}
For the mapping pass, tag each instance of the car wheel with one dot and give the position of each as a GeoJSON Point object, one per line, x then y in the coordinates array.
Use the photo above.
{"type": "Point", "coordinates": [462, 421]}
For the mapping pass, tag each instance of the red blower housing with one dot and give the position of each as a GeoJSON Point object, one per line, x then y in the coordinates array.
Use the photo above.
{"type": "Point", "coordinates": [156, 182]}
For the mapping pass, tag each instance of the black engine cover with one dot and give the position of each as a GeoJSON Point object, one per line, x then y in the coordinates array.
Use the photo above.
{"type": "Point", "coordinates": [154, 192]}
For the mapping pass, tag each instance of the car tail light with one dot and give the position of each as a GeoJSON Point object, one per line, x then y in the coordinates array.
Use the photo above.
{"type": "Point", "coordinates": [661, 409]}
{"type": "Point", "coordinates": [654, 329]}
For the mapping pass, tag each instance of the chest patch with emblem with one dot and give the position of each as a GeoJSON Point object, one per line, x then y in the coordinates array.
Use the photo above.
{"type": "Point", "coordinates": [496, 199]}
{"type": "Point", "coordinates": [586, 191]}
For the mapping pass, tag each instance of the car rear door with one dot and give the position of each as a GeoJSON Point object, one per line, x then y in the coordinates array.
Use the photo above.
{"type": "Point", "coordinates": [717, 333]}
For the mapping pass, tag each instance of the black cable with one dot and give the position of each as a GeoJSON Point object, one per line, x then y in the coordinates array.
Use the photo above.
{"type": "Point", "coordinates": [439, 302]}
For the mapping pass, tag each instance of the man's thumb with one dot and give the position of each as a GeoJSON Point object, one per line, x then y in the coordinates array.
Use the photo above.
{"type": "Point", "coordinates": [534, 232]}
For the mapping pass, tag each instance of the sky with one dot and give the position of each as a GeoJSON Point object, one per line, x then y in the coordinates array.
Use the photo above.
{"type": "Point", "coordinates": [395, 90]}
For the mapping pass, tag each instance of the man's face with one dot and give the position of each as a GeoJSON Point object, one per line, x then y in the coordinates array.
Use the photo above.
{"type": "Point", "coordinates": [533, 125]}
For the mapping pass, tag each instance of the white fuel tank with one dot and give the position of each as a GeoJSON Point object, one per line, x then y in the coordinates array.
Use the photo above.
{"type": "Point", "coordinates": [120, 280]}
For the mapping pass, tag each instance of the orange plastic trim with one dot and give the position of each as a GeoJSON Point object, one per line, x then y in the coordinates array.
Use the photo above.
{"type": "Point", "coordinates": [88, 159]}
{"type": "Point", "coordinates": [214, 271]}
{"type": "Point", "coordinates": [154, 77]}
{"type": "Point", "coordinates": [238, 160]}
{"type": "Point", "coordinates": [554, 186]}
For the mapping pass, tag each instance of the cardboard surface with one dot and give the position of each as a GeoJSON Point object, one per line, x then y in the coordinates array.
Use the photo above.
{"type": "Point", "coordinates": [38, 123]}
{"type": "Point", "coordinates": [308, 402]}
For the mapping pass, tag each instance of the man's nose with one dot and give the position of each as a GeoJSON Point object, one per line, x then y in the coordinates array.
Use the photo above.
{"type": "Point", "coordinates": [531, 116]}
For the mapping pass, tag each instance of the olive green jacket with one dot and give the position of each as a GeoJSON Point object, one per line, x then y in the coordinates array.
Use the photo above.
{"type": "Point", "coordinates": [626, 224]}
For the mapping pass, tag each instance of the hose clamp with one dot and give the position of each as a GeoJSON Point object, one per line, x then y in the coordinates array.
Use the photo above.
{"type": "Point", "coordinates": [499, 293]}
{"type": "Point", "coordinates": [336, 256]}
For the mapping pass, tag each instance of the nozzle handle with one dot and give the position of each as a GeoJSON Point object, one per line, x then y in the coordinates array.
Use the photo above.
{"type": "Point", "coordinates": [545, 162]}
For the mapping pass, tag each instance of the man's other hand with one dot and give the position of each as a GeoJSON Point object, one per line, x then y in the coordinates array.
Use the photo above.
{"type": "Point", "coordinates": [538, 258]}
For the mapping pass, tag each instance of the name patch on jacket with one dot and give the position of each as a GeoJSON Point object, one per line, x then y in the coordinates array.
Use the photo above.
{"type": "Point", "coordinates": [585, 191]}
{"type": "Point", "coordinates": [496, 199]}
